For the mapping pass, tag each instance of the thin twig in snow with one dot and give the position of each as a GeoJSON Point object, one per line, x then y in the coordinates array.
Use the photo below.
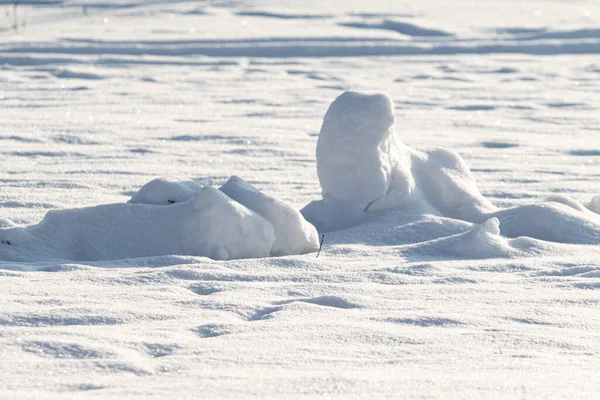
{"type": "Point", "coordinates": [321, 245]}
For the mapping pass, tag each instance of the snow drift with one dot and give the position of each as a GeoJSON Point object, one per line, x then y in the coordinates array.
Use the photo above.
{"type": "Point", "coordinates": [165, 191]}
{"type": "Point", "coordinates": [376, 190]}
{"type": "Point", "coordinates": [167, 216]}
{"type": "Point", "coordinates": [365, 169]}
{"type": "Point", "coordinates": [293, 234]}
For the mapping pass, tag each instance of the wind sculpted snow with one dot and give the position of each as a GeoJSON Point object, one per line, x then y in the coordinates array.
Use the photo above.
{"type": "Point", "coordinates": [364, 168]}
{"type": "Point", "coordinates": [430, 299]}
{"type": "Point", "coordinates": [167, 217]}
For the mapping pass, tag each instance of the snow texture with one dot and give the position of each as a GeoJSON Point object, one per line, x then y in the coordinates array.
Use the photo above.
{"type": "Point", "coordinates": [167, 216]}
{"type": "Point", "coordinates": [440, 276]}
{"type": "Point", "coordinates": [210, 225]}
{"type": "Point", "coordinates": [293, 235]}
{"type": "Point", "coordinates": [363, 165]}
{"type": "Point", "coordinates": [164, 191]}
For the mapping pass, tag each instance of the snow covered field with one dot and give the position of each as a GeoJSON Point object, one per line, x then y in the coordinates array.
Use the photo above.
{"type": "Point", "coordinates": [450, 294]}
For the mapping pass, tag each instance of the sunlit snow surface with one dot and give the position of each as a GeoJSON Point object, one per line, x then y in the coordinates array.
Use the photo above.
{"type": "Point", "coordinates": [94, 105]}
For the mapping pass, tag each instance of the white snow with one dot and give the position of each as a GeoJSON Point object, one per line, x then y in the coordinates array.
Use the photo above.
{"type": "Point", "coordinates": [293, 235]}
{"type": "Point", "coordinates": [164, 191]}
{"type": "Point", "coordinates": [210, 225]}
{"type": "Point", "coordinates": [459, 210]}
{"type": "Point", "coordinates": [359, 159]}
{"type": "Point", "coordinates": [167, 216]}
{"type": "Point", "coordinates": [363, 165]}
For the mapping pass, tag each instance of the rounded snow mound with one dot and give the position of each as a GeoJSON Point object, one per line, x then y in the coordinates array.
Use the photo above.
{"type": "Point", "coordinates": [359, 158]}
{"type": "Point", "coordinates": [365, 170]}
{"type": "Point", "coordinates": [293, 234]}
{"type": "Point", "coordinates": [594, 205]}
{"type": "Point", "coordinates": [481, 241]}
{"type": "Point", "coordinates": [167, 216]}
{"type": "Point", "coordinates": [363, 163]}
{"type": "Point", "coordinates": [163, 191]}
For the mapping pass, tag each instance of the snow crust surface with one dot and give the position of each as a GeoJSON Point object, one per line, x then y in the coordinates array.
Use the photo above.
{"type": "Point", "coordinates": [468, 272]}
